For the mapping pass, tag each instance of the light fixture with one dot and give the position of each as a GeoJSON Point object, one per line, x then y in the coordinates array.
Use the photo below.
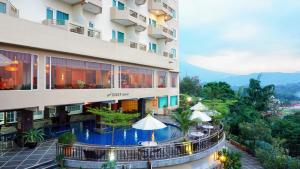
{"type": "Point", "coordinates": [189, 99]}
{"type": "Point", "coordinates": [11, 69]}
{"type": "Point", "coordinates": [112, 155]}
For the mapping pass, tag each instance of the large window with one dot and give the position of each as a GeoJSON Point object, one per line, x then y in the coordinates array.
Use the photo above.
{"type": "Point", "coordinates": [11, 117]}
{"type": "Point", "coordinates": [173, 100]}
{"type": "Point", "coordinates": [1, 117]}
{"type": "Point", "coordinates": [162, 79]}
{"type": "Point", "coordinates": [74, 74]}
{"type": "Point", "coordinates": [174, 77]}
{"type": "Point", "coordinates": [2, 7]}
{"type": "Point", "coordinates": [163, 102]}
{"type": "Point", "coordinates": [18, 71]}
{"type": "Point", "coordinates": [132, 77]}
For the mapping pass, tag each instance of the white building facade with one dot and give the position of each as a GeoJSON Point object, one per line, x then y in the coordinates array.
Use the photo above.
{"type": "Point", "coordinates": [66, 55]}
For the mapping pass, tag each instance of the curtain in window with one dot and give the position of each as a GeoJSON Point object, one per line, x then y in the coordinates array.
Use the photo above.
{"type": "Point", "coordinates": [49, 14]}
{"type": "Point", "coordinates": [173, 101]}
{"type": "Point", "coordinates": [121, 6]}
{"type": "Point", "coordinates": [162, 102]}
{"type": "Point", "coordinates": [121, 37]}
{"type": "Point", "coordinates": [61, 17]}
{"type": "Point", "coordinates": [2, 7]}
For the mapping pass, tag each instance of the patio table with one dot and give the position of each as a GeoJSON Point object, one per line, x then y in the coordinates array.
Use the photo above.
{"type": "Point", "coordinates": [197, 134]}
{"type": "Point", "coordinates": [209, 127]}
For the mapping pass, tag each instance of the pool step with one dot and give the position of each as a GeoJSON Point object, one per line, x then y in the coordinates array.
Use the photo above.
{"type": "Point", "coordinates": [51, 164]}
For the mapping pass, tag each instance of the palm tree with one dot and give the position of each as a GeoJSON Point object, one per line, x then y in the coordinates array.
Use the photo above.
{"type": "Point", "coordinates": [184, 121]}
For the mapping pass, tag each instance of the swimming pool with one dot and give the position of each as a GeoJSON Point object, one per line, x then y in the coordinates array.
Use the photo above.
{"type": "Point", "coordinates": [85, 133]}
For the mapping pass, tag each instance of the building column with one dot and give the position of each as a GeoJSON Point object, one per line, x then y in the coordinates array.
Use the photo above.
{"type": "Point", "coordinates": [63, 117]}
{"type": "Point", "coordinates": [142, 107]}
{"type": "Point", "coordinates": [24, 120]}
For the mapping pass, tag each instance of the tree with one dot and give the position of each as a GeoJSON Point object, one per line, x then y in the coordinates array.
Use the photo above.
{"type": "Point", "coordinates": [230, 159]}
{"type": "Point", "coordinates": [183, 119]}
{"type": "Point", "coordinates": [190, 86]}
{"type": "Point", "coordinates": [218, 90]}
{"type": "Point", "coordinates": [253, 132]}
{"type": "Point", "coordinates": [258, 96]}
{"type": "Point", "coordinates": [113, 118]}
{"type": "Point", "coordinates": [288, 128]}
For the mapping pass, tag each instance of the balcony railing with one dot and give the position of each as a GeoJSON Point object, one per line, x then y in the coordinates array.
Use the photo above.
{"type": "Point", "coordinates": [76, 28]}
{"type": "Point", "coordinates": [94, 33]}
{"type": "Point", "coordinates": [140, 153]}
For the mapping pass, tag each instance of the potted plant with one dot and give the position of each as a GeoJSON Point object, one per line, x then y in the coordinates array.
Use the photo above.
{"type": "Point", "coordinates": [67, 139]}
{"type": "Point", "coordinates": [81, 84]}
{"type": "Point", "coordinates": [60, 160]}
{"type": "Point", "coordinates": [32, 137]}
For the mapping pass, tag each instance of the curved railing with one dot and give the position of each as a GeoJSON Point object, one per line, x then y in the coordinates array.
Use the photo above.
{"type": "Point", "coordinates": [139, 153]}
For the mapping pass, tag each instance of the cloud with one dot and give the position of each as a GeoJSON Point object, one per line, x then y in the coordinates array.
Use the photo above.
{"type": "Point", "coordinates": [242, 32]}
{"type": "Point", "coordinates": [245, 62]}
{"type": "Point", "coordinates": [195, 13]}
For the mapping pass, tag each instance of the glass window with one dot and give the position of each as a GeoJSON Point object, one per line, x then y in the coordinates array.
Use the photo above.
{"type": "Point", "coordinates": [49, 14]}
{"type": "Point", "coordinates": [174, 33]}
{"type": "Point", "coordinates": [163, 102]}
{"type": "Point", "coordinates": [121, 37]}
{"type": "Point", "coordinates": [91, 24]}
{"type": "Point", "coordinates": [15, 71]}
{"type": "Point", "coordinates": [162, 79]}
{"type": "Point", "coordinates": [174, 77]}
{"type": "Point", "coordinates": [38, 115]}
{"type": "Point", "coordinates": [114, 2]}
{"type": "Point", "coordinates": [113, 34]}
{"type": "Point", "coordinates": [173, 52]}
{"type": "Point", "coordinates": [152, 47]}
{"type": "Point", "coordinates": [1, 117]}
{"type": "Point", "coordinates": [35, 73]}
{"type": "Point", "coordinates": [74, 109]}
{"type": "Point", "coordinates": [121, 6]}
{"type": "Point", "coordinates": [152, 22]}
{"type": "Point", "coordinates": [61, 17]}
{"type": "Point", "coordinates": [2, 7]}
{"type": "Point", "coordinates": [76, 74]}
{"type": "Point", "coordinates": [11, 117]}
{"type": "Point", "coordinates": [132, 77]}
{"type": "Point", "coordinates": [173, 100]}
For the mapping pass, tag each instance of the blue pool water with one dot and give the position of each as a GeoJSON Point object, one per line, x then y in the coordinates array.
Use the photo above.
{"type": "Point", "coordinates": [85, 132]}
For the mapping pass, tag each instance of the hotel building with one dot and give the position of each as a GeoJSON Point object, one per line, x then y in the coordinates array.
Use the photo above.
{"type": "Point", "coordinates": [57, 57]}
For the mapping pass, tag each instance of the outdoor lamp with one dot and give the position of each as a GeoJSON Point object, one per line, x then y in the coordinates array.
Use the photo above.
{"type": "Point", "coordinates": [189, 99]}
{"type": "Point", "coordinates": [111, 155]}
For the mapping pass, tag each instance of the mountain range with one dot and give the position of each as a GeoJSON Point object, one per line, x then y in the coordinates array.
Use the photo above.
{"type": "Point", "coordinates": [276, 78]}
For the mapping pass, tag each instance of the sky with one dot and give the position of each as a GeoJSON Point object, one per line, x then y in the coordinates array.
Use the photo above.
{"type": "Point", "coordinates": [241, 36]}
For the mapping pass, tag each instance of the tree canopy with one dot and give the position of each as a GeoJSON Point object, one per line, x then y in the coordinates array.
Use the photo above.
{"type": "Point", "coordinates": [190, 86]}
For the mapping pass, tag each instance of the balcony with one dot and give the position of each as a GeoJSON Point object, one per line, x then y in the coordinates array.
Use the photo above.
{"type": "Point", "coordinates": [140, 2]}
{"type": "Point", "coordinates": [10, 9]}
{"type": "Point", "coordinates": [160, 32]}
{"type": "Point", "coordinates": [128, 17]}
{"type": "Point", "coordinates": [92, 6]}
{"type": "Point", "coordinates": [66, 25]}
{"type": "Point", "coordinates": [159, 8]}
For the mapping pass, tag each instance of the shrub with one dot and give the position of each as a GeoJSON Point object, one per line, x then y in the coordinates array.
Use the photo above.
{"type": "Point", "coordinates": [67, 138]}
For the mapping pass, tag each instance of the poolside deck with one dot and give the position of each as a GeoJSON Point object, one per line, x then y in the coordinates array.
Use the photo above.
{"type": "Point", "coordinates": [21, 158]}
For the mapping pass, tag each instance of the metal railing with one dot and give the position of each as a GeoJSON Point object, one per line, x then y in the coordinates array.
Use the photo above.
{"type": "Point", "coordinates": [7, 141]}
{"type": "Point", "coordinates": [84, 152]}
{"type": "Point", "coordinates": [94, 33]}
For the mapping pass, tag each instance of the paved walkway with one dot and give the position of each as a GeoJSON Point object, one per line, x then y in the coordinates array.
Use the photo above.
{"type": "Point", "coordinates": [248, 161]}
{"type": "Point", "coordinates": [21, 158]}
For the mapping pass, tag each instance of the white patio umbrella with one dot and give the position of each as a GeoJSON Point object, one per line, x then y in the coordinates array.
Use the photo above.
{"type": "Point", "coordinates": [201, 115]}
{"type": "Point", "coordinates": [149, 123]}
{"type": "Point", "coordinates": [199, 106]}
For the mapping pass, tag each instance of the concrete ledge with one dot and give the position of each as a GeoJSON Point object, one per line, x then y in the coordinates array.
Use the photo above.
{"type": "Point", "coordinates": [155, 163]}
